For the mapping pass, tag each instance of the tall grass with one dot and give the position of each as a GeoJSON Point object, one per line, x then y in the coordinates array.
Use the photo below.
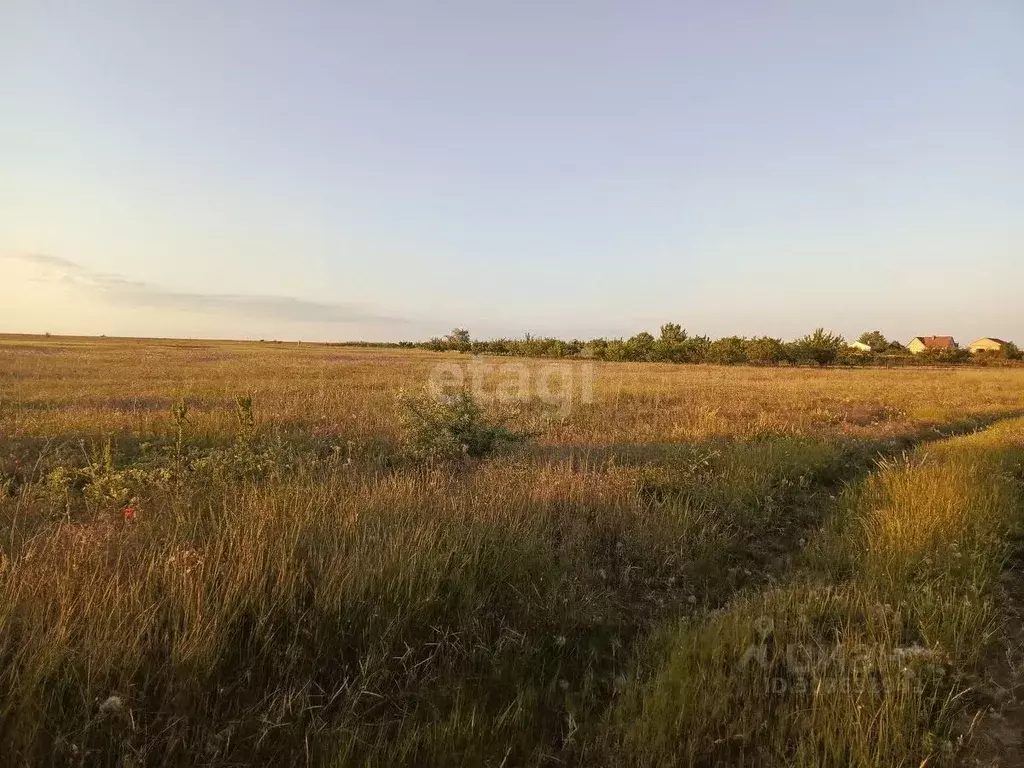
{"type": "Point", "coordinates": [290, 586]}
{"type": "Point", "coordinates": [868, 657]}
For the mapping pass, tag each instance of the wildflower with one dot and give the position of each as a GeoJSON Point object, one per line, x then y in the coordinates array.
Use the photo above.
{"type": "Point", "coordinates": [692, 600]}
{"type": "Point", "coordinates": [129, 513]}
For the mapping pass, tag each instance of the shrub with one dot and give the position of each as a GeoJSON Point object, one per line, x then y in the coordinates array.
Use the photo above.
{"type": "Point", "coordinates": [640, 347]}
{"type": "Point", "coordinates": [942, 356]}
{"type": "Point", "coordinates": [696, 349]}
{"type": "Point", "coordinates": [764, 350]}
{"type": "Point", "coordinates": [850, 356]}
{"type": "Point", "coordinates": [448, 427]}
{"type": "Point", "coordinates": [729, 350]}
{"type": "Point", "coordinates": [821, 347]}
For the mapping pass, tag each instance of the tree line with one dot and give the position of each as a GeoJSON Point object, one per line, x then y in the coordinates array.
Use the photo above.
{"type": "Point", "coordinates": [674, 345]}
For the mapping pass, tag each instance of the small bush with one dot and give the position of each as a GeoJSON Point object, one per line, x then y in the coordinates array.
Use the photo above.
{"type": "Point", "coordinates": [448, 427]}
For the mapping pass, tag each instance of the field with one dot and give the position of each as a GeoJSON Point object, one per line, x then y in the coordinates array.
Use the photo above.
{"type": "Point", "coordinates": [221, 553]}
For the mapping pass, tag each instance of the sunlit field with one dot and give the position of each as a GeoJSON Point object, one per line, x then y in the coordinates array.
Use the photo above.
{"type": "Point", "coordinates": [227, 553]}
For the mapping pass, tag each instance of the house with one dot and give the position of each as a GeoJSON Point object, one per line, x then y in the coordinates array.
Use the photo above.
{"type": "Point", "coordinates": [987, 344]}
{"type": "Point", "coordinates": [860, 346]}
{"type": "Point", "coordinates": [919, 344]}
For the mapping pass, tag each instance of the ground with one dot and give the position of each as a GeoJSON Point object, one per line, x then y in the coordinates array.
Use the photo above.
{"type": "Point", "coordinates": [226, 553]}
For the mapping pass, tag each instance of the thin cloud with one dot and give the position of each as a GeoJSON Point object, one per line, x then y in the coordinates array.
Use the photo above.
{"type": "Point", "coordinates": [115, 288]}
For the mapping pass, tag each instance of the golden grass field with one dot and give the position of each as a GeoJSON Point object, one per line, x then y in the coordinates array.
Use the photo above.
{"type": "Point", "coordinates": [701, 566]}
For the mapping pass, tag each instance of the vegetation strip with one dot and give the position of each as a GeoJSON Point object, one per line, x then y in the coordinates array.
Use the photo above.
{"type": "Point", "coordinates": [872, 658]}
{"type": "Point", "coordinates": [674, 345]}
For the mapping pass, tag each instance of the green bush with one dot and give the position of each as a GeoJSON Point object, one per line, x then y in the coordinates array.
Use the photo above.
{"type": "Point", "coordinates": [640, 347]}
{"type": "Point", "coordinates": [729, 350]}
{"type": "Point", "coordinates": [448, 427]}
{"type": "Point", "coordinates": [765, 350]}
{"type": "Point", "coordinates": [821, 347]}
{"type": "Point", "coordinates": [942, 356]}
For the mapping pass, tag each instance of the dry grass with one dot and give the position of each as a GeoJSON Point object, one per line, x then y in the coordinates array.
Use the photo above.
{"type": "Point", "coordinates": [300, 590]}
{"type": "Point", "coordinates": [873, 654]}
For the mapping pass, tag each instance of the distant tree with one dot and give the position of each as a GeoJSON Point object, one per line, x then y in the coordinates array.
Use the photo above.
{"type": "Point", "coordinates": [764, 350]}
{"type": "Point", "coordinates": [556, 348]}
{"type": "Point", "coordinates": [640, 347]}
{"type": "Point", "coordinates": [459, 336]}
{"type": "Point", "coordinates": [875, 340]}
{"type": "Point", "coordinates": [670, 346]}
{"type": "Point", "coordinates": [696, 349]}
{"type": "Point", "coordinates": [459, 339]}
{"type": "Point", "coordinates": [615, 350]}
{"type": "Point", "coordinates": [596, 349]}
{"type": "Point", "coordinates": [672, 332]}
{"type": "Point", "coordinates": [1012, 352]}
{"type": "Point", "coordinates": [821, 347]}
{"type": "Point", "coordinates": [573, 348]}
{"type": "Point", "coordinates": [729, 350]}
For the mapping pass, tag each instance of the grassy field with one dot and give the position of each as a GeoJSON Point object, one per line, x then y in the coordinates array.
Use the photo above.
{"type": "Point", "coordinates": [222, 553]}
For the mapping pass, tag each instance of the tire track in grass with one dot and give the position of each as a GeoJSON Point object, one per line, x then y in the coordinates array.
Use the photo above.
{"type": "Point", "coordinates": [869, 654]}
{"type": "Point", "coordinates": [810, 497]}
{"type": "Point", "coordinates": [764, 547]}
{"type": "Point", "coordinates": [763, 552]}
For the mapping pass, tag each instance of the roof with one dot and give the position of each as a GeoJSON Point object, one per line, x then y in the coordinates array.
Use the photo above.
{"type": "Point", "coordinates": [936, 342]}
{"type": "Point", "coordinates": [988, 338]}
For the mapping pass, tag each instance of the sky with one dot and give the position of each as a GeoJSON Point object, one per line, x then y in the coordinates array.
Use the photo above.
{"type": "Point", "coordinates": [391, 169]}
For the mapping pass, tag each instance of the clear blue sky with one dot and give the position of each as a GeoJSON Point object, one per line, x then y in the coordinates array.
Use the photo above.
{"type": "Point", "coordinates": [385, 170]}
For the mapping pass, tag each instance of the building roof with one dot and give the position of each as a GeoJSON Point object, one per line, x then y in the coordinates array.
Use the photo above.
{"type": "Point", "coordinates": [988, 338]}
{"type": "Point", "coordinates": [936, 342]}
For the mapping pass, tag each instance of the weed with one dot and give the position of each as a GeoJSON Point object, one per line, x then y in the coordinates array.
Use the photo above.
{"type": "Point", "coordinates": [449, 427]}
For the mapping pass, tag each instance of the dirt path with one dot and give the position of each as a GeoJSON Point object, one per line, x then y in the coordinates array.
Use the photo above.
{"type": "Point", "coordinates": [997, 733]}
